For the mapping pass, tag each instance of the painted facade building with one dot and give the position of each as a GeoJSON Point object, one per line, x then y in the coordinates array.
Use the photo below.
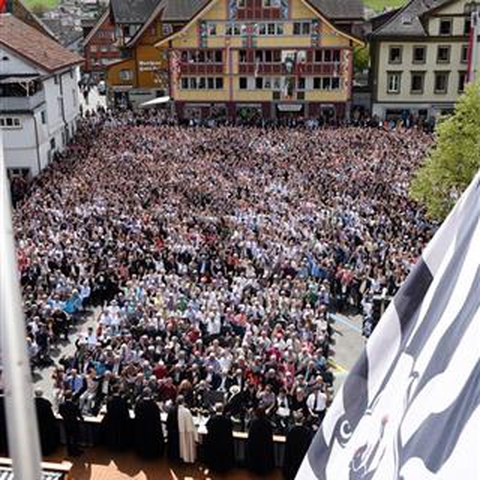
{"type": "Point", "coordinates": [274, 58]}
{"type": "Point", "coordinates": [100, 48]}
{"type": "Point", "coordinates": [420, 58]}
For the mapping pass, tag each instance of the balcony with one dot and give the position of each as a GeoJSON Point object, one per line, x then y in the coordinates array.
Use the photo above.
{"type": "Point", "coordinates": [25, 103]}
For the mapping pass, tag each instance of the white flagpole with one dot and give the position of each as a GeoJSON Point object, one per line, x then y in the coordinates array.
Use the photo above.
{"type": "Point", "coordinates": [23, 441]}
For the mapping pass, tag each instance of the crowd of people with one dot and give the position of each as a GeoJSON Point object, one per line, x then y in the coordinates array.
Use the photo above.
{"type": "Point", "coordinates": [212, 259]}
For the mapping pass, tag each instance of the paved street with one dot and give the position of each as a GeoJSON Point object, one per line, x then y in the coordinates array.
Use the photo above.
{"type": "Point", "coordinates": [95, 100]}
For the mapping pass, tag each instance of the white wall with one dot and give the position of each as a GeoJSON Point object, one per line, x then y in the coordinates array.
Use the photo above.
{"type": "Point", "coordinates": [30, 147]}
{"type": "Point", "coordinates": [15, 65]}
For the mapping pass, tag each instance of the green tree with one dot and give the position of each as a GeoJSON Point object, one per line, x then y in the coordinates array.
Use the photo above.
{"type": "Point", "coordinates": [361, 58]}
{"type": "Point", "coordinates": [454, 161]}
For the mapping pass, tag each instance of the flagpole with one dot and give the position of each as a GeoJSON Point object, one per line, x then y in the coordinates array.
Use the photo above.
{"type": "Point", "coordinates": [22, 428]}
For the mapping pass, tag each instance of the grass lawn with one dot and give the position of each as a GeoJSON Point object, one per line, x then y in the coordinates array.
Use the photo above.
{"type": "Point", "coordinates": [379, 5]}
{"type": "Point", "coordinates": [48, 4]}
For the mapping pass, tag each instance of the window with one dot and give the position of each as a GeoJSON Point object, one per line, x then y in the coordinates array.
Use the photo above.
{"type": "Point", "coordinates": [267, 83]}
{"type": "Point", "coordinates": [212, 29]}
{"type": "Point", "coordinates": [242, 56]}
{"type": "Point", "coordinates": [394, 80]}
{"type": "Point", "coordinates": [193, 83]}
{"type": "Point", "coordinates": [317, 83]}
{"type": "Point", "coordinates": [270, 29]}
{"type": "Point", "coordinates": [418, 80]}
{"type": "Point", "coordinates": [327, 56]}
{"type": "Point", "coordinates": [335, 83]}
{"type": "Point", "coordinates": [210, 83]}
{"type": "Point", "coordinates": [441, 82]}
{"type": "Point", "coordinates": [464, 54]}
{"type": "Point", "coordinates": [443, 54]}
{"type": "Point", "coordinates": [318, 56]}
{"type": "Point", "coordinates": [184, 83]}
{"type": "Point", "coordinates": [259, 83]}
{"type": "Point", "coordinates": [44, 117]}
{"type": "Point", "coordinates": [243, 83]}
{"type": "Point", "coordinates": [202, 83]}
{"type": "Point", "coordinates": [167, 29]}
{"type": "Point", "coordinates": [419, 54]}
{"type": "Point", "coordinates": [10, 122]}
{"type": "Point", "coordinates": [233, 29]}
{"type": "Point", "coordinates": [125, 75]}
{"type": "Point", "coordinates": [218, 56]}
{"type": "Point", "coordinates": [445, 26]}
{"type": "Point", "coordinates": [336, 56]}
{"type": "Point", "coordinates": [268, 56]}
{"type": "Point", "coordinates": [241, 3]}
{"type": "Point", "coordinates": [462, 80]}
{"type": "Point", "coordinates": [301, 83]}
{"type": "Point", "coordinates": [395, 55]}
{"type": "Point", "coordinates": [52, 144]}
{"type": "Point", "coordinates": [277, 83]}
{"type": "Point", "coordinates": [326, 83]}
{"type": "Point", "coordinates": [301, 28]}
{"type": "Point", "coordinates": [219, 83]}
{"type": "Point", "coordinates": [467, 27]}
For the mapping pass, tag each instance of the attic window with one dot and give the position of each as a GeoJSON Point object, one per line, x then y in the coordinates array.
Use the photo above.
{"type": "Point", "coordinates": [446, 26]}
{"type": "Point", "coordinates": [5, 59]}
{"type": "Point", "coordinates": [407, 19]}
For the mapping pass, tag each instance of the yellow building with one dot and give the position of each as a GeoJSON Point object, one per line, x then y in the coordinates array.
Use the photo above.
{"type": "Point", "coordinates": [275, 58]}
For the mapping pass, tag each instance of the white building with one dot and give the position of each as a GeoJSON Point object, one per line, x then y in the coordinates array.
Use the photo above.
{"type": "Point", "coordinates": [39, 96]}
{"type": "Point", "coordinates": [420, 58]}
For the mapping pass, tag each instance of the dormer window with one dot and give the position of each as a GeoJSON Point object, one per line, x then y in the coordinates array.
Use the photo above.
{"type": "Point", "coordinates": [446, 26]}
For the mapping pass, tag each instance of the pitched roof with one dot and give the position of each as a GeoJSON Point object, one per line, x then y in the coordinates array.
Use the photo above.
{"type": "Point", "coordinates": [182, 9]}
{"type": "Point", "coordinates": [407, 22]}
{"type": "Point", "coordinates": [172, 10]}
{"type": "Point", "coordinates": [19, 10]}
{"type": "Point", "coordinates": [96, 26]}
{"type": "Point", "coordinates": [340, 9]}
{"type": "Point", "coordinates": [34, 46]}
{"type": "Point", "coordinates": [132, 11]}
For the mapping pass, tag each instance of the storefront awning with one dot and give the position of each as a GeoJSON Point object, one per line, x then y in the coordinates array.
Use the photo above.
{"type": "Point", "coordinates": [156, 101]}
{"type": "Point", "coordinates": [289, 107]}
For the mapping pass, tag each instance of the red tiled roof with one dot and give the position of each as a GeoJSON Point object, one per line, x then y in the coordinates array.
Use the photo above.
{"type": "Point", "coordinates": [35, 46]}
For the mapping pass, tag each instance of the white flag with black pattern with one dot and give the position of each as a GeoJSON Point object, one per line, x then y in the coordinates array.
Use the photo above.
{"type": "Point", "coordinates": [410, 408]}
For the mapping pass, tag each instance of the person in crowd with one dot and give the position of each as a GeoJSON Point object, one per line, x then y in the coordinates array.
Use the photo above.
{"type": "Point", "coordinates": [188, 436]}
{"type": "Point", "coordinates": [173, 434]}
{"type": "Point", "coordinates": [299, 438]}
{"type": "Point", "coordinates": [318, 400]}
{"type": "Point", "coordinates": [72, 417]}
{"type": "Point", "coordinates": [218, 443]}
{"type": "Point", "coordinates": [116, 424]}
{"type": "Point", "coordinates": [259, 449]}
{"type": "Point", "coordinates": [47, 424]}
{"type": "Point", "coordinates": [148, 432]}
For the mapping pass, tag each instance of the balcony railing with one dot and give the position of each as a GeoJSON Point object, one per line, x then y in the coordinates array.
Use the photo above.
{"type": "Point", "coordinates": [15, 104]}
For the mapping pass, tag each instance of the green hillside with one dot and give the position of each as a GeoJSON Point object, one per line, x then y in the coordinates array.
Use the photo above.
{"type": "Point", "coordinates": [379, 5]}
{"type": "Point", "coordinates": [45, 4]}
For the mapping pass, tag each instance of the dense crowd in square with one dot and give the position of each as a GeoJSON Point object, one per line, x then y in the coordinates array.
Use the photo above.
{"type": "Point", "coordinates": [212, 259]}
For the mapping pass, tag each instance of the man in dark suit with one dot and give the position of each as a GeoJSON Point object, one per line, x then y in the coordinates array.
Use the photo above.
{"type": "Point", "coordinates": [219, 453]}
{"type": "Point", "coordinates": [47, 424]}
{"type": "Point", "coordinates": [71, 419]}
